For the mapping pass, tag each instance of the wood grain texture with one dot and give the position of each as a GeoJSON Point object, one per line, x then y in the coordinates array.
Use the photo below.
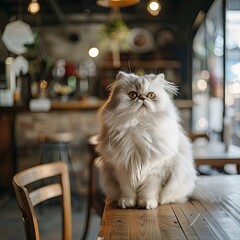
{"type": "Point", "coordinates": [195, 219]}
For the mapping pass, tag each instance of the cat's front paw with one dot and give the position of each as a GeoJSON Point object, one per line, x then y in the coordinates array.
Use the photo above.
{"type": "Point", "coordinates": [126, 202]}
{"type": "Point", "coordinates": [147, 203]}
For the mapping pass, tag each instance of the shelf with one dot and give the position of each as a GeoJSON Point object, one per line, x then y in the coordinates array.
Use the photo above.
{"type": "Point", "coordinates": [151, 64]}
{"type": "Point", "coordinates": [77, 105]}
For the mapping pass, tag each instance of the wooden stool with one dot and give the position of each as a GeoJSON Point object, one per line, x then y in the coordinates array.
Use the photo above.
{"type": "Point", "coordinates": [55, 148]}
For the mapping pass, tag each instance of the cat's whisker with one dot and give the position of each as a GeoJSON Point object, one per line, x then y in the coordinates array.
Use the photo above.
{"type": "Point", "coordinates": [106, 110]}
{"type": "Point", "coordinates": [136, 68]}
{"type": "Point", "coordinates": [123, 69]}
{"type": "Point", "coordinates": [109, 142]}
{"type": "Point", "coordinates": [129, 65]}
{"type": "Point", "coordinates": [170, 87]}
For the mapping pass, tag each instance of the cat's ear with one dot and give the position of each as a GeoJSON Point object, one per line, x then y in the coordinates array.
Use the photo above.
{"type": "Point", "coordinates": [121, 75]}
{"type": "Point", "coordinates": [160, 79]}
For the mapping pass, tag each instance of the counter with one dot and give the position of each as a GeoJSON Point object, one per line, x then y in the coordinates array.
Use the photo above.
{"type": "Point", "coordinates": [19, 127]}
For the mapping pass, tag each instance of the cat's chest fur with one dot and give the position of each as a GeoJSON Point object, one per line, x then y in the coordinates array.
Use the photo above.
{"type": "Point", "coordinates": [135, 142]}
{"type": "Point", "coordinates": [143, 141]}
{"type": "Point", "coordinates": [139, 151]}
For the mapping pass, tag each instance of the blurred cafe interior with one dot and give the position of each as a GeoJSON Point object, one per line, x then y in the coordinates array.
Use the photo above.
{"type": "Point", "coordinates": [57, 59]}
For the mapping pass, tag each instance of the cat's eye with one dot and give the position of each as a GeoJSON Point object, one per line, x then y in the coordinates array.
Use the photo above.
{"type": "Point", "coordinates": [151, 95]}
{"type": "Point", "coordinates": [132, 94]}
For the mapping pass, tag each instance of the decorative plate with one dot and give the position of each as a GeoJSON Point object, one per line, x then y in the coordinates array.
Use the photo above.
{"type": "Point", "coordinates": [165, 37]}
{"type": "Point", "coordinates": [140, 40]}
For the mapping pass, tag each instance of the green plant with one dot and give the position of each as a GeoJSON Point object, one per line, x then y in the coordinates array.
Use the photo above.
{"type": "Point", "coordinates": [115, 29]}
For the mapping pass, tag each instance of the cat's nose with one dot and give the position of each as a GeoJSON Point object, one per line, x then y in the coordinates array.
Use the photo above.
{"type": "Point", "coordinates": [141, 97]}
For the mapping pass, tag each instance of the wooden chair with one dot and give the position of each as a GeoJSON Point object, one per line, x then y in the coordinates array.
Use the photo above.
{"type": "Point", "coordinates": [194, 136]}
{"type": "Point", "coordinates": [27, 199]}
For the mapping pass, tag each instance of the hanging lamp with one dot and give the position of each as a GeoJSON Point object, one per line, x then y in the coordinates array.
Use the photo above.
{"type": "Point", "coordinates": [34, 7]}
{"type": "Point", "coordinates": [115, 18]}
{"type": "Point", "coordinates": [117, 3]}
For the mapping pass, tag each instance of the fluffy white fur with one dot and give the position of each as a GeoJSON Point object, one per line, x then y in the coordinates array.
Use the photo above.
{"type": "Point", "coordinates": [146, 157]}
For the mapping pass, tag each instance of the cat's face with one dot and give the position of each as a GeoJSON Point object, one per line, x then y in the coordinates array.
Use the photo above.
{"type": "Point", "coordinates": [139, 94]}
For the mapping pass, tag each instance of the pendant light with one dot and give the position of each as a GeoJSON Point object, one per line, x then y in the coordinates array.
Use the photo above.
{"type": "Point", "coordinates": [34, 7]}
{"type": "Point", "coordinates": [117, 3]}
{"type": "Point", "coordinates": [115, 16]}
{"type": "Point", "coordinates": [154, 7]}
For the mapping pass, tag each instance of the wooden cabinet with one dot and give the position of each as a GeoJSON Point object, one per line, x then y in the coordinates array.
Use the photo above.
{"type": "Point", "coordinates": [7, 150]}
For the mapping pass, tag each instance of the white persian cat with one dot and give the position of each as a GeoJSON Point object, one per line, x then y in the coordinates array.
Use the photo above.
{"type": "Point", "coordinates": [146, 157]}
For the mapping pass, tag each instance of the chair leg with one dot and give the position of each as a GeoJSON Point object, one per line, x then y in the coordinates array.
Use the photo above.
{"type": "Point", "coordinates": [238, 168]}
{"type": "Point", "coordinates": [90, 198]}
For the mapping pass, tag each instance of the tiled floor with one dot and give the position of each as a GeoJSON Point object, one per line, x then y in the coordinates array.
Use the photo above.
{"type": "Point", "coordinates": [11, 227]}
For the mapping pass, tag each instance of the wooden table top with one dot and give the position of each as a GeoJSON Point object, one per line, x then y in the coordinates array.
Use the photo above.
{"type": "Point", "coordinates": [196, 219]}
{"type": "Point", "coordinates": [214, 153]}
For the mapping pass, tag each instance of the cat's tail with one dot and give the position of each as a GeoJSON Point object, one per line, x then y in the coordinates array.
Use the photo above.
{"type": "Point", "coordinates": [208, 189]}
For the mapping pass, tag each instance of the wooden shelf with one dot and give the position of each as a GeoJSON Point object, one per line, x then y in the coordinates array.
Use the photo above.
{"type": "Point", "coordinates": [108, 72]}
{"type": "Point", "coordinates": [77, 105]}
{"type": "Point", "coordinates": [151, 64]}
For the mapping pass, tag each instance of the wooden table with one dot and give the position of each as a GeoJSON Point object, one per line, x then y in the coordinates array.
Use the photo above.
{"type": "Point", "coordinates": [214, 153]}
{"type": "Point", "coordinates": [195, 219]}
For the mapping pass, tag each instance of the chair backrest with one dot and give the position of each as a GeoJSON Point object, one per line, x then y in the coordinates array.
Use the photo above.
{"type": "Point", "coordinates": [194, 136]}
{"type": "Point", "coordinates": [27, 199]}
